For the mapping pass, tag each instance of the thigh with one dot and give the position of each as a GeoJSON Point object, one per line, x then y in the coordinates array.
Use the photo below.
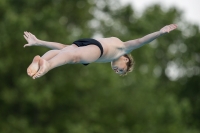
{"type": "Point", "coordinates": [50, 54]}
{"type": "Point", "coordinates": [87, 54]}
{"type": "Point", "coordinates": [70, 47]}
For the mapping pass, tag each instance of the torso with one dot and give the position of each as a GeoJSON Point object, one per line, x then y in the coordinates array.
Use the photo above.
{"type": "Point", "coordinates": [113, 49]}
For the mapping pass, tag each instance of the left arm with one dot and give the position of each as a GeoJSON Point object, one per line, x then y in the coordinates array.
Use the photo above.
{"type": "Point", "coordinates": [34, 41]}
{"type": "Point", "coordinates": [134, 44]}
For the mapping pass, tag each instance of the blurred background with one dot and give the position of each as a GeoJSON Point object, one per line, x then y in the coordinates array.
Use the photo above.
{"type": "Point", "coordinates": [161, 95]}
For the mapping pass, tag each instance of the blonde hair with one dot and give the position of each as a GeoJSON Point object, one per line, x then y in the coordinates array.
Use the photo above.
{"type": "Point", "coordinates": [130, 64]}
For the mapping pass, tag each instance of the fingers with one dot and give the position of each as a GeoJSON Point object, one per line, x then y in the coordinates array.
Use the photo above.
{"type": "Point", "coordinates": [172, 27]}
{"type": "Point", "coordinates": [26, 45]}
{"type": "Point", "coordinates": [25, 37]}
{"type": "Point", "coordinates": [28, 34]}
{"type": "Point", "coordinates": [31, 34]}
{"type": "Point", "coordinates": [169, 28]}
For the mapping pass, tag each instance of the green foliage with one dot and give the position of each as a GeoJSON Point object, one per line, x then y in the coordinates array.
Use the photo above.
{"type": "Point", "coordinates": [93, 99]}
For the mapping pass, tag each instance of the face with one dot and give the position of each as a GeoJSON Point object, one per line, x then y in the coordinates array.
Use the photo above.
{"type": "Point", "coordinates": [119, 65]}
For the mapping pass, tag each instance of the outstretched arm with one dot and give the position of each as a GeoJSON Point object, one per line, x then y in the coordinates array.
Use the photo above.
{"type": "Point", "coordinates": [33, 41]}
{"type": "Point", "coordinates": [134, 44]}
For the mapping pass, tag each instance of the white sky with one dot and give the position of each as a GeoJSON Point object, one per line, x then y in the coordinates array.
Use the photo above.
{"type": "Point", "coordinates": [190, 8]}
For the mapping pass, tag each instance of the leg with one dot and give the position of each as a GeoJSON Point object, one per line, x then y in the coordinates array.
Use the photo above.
{"type": "Point", "coordinates": [50, 54]}
{"type": "Point", "coordinates": [78, 55]}
{"type": "Point", "coordinates": [34, 66]}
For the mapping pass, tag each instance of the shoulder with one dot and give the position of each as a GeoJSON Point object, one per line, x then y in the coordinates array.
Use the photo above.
{"type": "Point", "coordinates": [115, 39]}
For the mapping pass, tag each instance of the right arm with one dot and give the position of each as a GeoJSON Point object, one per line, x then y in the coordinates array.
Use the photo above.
{"type": "Point", "coordinates": [33, 41]}
{"type": "Point", "coordinates": [134, 44]}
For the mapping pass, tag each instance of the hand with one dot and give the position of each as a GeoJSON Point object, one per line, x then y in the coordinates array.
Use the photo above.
{"type": "Point", "coordinates": [30, 38]}
{"type": "Point", "coordinates": [168, 28]}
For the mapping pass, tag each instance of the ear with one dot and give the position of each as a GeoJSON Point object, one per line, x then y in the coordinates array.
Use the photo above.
{"type": "Point", "coordinates": [126, 59]}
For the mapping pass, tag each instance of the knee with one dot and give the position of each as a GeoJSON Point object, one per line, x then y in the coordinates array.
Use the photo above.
{"type": "Point", "coordinates": [53, 51]}
{"type": "Point", "coordinates": [77, 58]}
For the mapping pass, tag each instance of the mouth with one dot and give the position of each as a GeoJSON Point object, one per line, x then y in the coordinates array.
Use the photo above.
{"type": "Point", "coordinates": [115, 70]}
{"type": "Point", "coordinates": [114, 67]}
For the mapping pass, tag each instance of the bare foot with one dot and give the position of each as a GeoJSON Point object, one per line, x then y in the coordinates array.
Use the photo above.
{"type": "Point", "coordinates": [34, 66]}
{"type": "Point", "coordinates": [44, 68]}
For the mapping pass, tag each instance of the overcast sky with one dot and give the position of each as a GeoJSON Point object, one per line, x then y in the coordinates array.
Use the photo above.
{"type": "Point", "coordinates": [190, 8]}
